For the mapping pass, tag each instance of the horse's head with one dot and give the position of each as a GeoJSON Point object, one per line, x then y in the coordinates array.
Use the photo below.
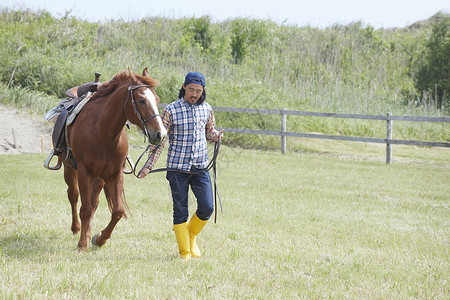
{"type": "Point", "coordinates": [142, 107]}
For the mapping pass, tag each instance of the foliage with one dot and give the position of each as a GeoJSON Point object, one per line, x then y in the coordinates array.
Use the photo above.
{"type": "Point", "coordinates": [434, 75]}
{"type": "Point", "coordinates": [198, 31]}
{"type": "Point", "coordinates": [246, 35]}
{"type": "Point", "coordinates": [239, 43]}
{"type": "Point", "coordinates": [349, 68]}
{"type": "Point", "coordinates": [24, 98]}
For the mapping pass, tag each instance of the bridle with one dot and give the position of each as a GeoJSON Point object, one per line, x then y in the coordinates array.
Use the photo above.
{"type": "Point", "coordinates": [131, 89]}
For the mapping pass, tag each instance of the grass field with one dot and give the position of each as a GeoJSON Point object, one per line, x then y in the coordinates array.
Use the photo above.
{"type": "Point", "coordinates": [301, 225]}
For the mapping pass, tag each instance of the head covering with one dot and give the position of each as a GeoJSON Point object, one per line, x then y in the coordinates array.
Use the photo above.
{"type": "Point", "coordinates": [195, 77]}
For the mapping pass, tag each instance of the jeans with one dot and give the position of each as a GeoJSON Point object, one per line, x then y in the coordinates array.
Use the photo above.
{"type": "Point", "coordinates": [202, 189]}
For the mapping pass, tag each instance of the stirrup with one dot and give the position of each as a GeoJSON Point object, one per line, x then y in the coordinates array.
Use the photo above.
{"type": "Point", "coordinates": [130, 163]}
{"type": "Point", "coordinates": [49, 159]}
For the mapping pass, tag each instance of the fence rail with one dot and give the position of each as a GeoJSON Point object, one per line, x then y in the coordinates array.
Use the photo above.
{"type": "Point", "coordinates": [389, 118]}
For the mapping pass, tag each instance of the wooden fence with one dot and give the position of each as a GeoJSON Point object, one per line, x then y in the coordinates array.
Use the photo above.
{"type": "Point", "coordinates": [388, 118]}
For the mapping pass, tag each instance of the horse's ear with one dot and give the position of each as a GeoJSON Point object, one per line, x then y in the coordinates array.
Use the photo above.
{"type": "Point", "coordinates": [145, 73]}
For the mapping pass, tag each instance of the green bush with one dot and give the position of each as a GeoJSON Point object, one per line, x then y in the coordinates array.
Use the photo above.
{"type": "Point", "coordinates": [349, 68]}
{"type": "Point", "coordinates": [434, 75]}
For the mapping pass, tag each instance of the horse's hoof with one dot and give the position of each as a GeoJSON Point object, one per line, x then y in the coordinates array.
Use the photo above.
{"type": "Point", "coordinates": [94, 240]}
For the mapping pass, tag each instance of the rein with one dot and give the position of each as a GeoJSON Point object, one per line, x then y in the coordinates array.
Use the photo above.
{"type": "Point", "coordinates": [131, 89]}
{"type": "Point", "coordinates": [212, 165]}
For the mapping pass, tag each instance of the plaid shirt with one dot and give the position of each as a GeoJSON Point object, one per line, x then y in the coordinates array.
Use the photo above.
{"type": "Point", "coordinates": [188, 128]}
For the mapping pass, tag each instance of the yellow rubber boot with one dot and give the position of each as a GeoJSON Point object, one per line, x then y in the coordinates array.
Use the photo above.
{"type": "Point", "coordinates": [195, 226]}
{"type": "Point", "coordinates": [182, 235]}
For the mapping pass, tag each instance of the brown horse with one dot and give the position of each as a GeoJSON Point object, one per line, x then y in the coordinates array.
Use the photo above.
{"type": "Point", "coordinates": [99, 147]}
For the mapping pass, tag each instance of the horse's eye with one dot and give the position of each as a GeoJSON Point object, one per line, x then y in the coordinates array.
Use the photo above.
{"type": "Point", "coordinates": [142, 101]}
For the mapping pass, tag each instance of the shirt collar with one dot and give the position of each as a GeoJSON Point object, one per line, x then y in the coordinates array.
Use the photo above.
{"type": "Point", "coordinates": [184, 101]}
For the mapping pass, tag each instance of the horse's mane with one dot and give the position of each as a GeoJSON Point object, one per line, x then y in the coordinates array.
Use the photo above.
{"type": "Point", "coordinates": [121, 78]}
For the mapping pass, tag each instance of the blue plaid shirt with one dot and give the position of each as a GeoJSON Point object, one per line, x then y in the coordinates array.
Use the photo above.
{"type": "Point", "coordinates": [188, 128]}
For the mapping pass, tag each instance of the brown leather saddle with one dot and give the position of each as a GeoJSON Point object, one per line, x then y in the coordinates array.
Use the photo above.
{"type": "Point", "coordinates": [63, 110]}
{"type": "Point", "coordinates": [83, 89]}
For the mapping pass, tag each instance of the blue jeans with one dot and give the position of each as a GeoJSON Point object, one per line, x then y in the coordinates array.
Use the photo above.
{"type": "Point", "coordinates": [202, 189]}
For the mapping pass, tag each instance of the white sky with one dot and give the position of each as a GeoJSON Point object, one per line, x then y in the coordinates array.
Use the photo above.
{"type": "Point", "coordinates": [316, 13]}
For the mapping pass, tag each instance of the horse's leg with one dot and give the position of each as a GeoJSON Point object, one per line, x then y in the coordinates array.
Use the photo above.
{"type": "Point", "coordinates": [70, 176]}
{"type": "Point", "coordinates": [113, 191]}
{"type": "Point", "coordinates": [97, 186]}
{"type": "Point", "coordinates": [85, 182]}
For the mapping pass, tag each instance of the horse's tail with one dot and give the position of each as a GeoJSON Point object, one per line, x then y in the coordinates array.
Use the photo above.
{"type": "Point", "coordinates": [125, 205]}
{"type": "Point", "coordinates": [124, 202]}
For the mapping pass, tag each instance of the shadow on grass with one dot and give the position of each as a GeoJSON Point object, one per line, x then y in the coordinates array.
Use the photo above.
{"type": "Point", "coordinates": [36, 245]}
{"type": "Point", "coordinates": [32, 245]}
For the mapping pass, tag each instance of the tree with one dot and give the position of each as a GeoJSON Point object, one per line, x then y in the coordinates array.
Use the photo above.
{"type": "Point", "coordinates": [433, 76]}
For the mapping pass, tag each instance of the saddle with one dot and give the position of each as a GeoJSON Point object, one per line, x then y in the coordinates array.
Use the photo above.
{"type": "Point", "coordinates": [63, 115]}
{"type": "Point", "coordinates": [83, 89]}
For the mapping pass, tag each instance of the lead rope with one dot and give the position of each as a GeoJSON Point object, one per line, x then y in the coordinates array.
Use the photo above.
{"type": "Point", "coordinates": [212, 165]}
{"type": "Point", "coordinates": [216, 191]}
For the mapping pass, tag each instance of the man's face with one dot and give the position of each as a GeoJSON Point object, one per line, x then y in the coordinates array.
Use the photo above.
{"type": "Point", "coordinates": [193, 92]}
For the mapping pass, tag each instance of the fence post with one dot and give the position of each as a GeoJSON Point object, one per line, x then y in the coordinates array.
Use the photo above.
{"type": "Point", "coordinates": [16, 146]}
{"type": "Point", "coordinates": [283, 130]}
{"type": "Point", "coordinates": [389, 137]}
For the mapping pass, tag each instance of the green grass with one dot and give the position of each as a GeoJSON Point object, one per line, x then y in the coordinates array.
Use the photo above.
{"type": "Point", "coordinates": [327, 220]}
{"type": "Point", "coordinates": [301, 225]}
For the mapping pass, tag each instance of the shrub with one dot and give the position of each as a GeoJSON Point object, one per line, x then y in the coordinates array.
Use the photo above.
{"type": "Point", "coordinates": [433, 77]}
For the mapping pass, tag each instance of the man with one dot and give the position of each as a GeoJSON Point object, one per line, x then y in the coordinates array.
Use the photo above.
{"type": "Point", "coordinates": [190, 123]}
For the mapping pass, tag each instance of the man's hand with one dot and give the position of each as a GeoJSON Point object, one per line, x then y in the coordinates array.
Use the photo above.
{"type": "Point", "coordinates": [144, 172]}
{"type": "Point", "coordinates": [221, 134]}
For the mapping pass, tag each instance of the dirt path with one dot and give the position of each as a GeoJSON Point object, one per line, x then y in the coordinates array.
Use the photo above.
{"type": "Point", "coordinates": [23, 133]}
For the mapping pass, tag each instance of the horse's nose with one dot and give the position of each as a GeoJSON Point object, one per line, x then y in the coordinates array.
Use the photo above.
{"type": "Point", "coordinates": [158, 136]}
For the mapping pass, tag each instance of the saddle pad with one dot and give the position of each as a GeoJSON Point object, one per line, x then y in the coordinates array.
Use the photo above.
{"type": "Point", "coordinates": [77, 109]}
{"type": "Point", "coordinates": [65, 105]}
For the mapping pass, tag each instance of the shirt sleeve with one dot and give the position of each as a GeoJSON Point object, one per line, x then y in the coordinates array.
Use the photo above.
{"type": "Point", "coordinates": [212, 135]}
{"type": "Point", "coordinates": [156, 150]}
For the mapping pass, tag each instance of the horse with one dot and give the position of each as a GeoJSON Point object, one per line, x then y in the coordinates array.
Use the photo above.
{"type": "Point", "coordinates": [99, 147]}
